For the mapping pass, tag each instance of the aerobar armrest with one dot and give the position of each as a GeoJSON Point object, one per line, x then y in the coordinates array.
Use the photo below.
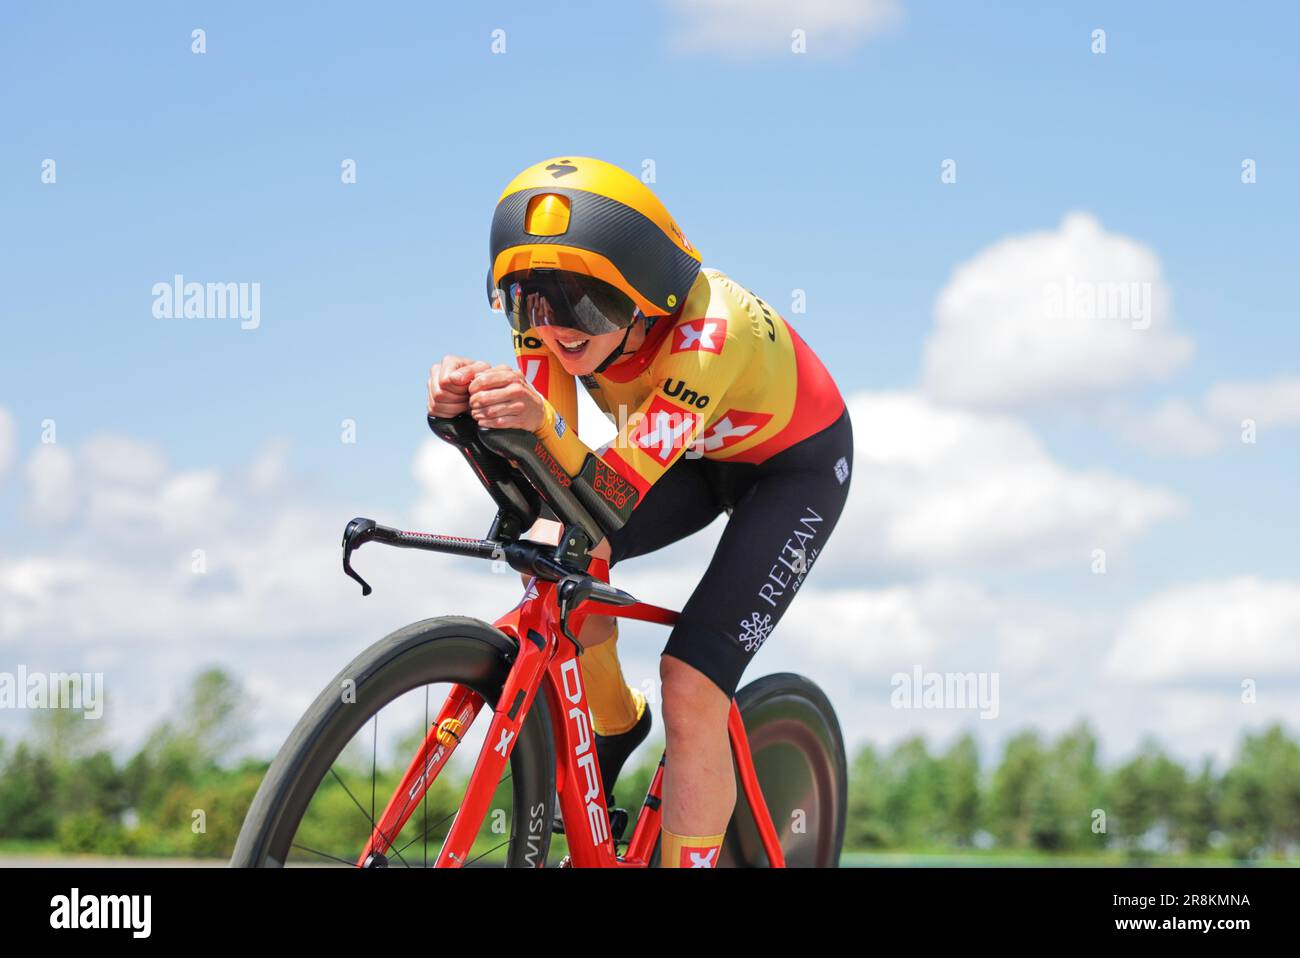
{"type": "Point", "coordinates": [598, 500]}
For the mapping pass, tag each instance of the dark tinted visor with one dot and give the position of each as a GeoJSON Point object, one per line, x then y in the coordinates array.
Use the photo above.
{"type": "Point", "coordinates": [554, 297]}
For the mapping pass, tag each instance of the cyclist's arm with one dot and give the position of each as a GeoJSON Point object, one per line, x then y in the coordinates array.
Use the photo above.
{"type": "Point", "coordinates": [688, 385]}
{"type": "Point", "coordinates": [545, 374]}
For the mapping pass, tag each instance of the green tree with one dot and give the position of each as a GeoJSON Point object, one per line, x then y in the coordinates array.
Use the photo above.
{"type": "Point", "coordinates": [1016, 780]}
{"type": "Point", "coordinates": [27, 787]}
{"type": "Point", "coordinates": [210, 721]}
{"type": "Point", "coordinates": [865, 825]}
{"type": "Point", "coordinates": [960, 772]}
{"type": "Point", "coordinates": [1202, 812]}
{"type": "Point", "coordinates": [913, 806]}
{"type": "Point", "coordinates": [1261, 795]}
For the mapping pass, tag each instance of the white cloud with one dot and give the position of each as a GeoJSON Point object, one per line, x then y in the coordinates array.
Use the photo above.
{"type": "Point", "coordinates": [1052, 315]}
{"type": "Point", "coordinates": [1274, 402]}
{"type": "Point", "coordinates": [1050, 661]}
{"type": "Point", "coordinates": [116, 591]}
{"type": "Point", "coordinates": [8, 441]}
{"type": "Point", "coordinates": [1174, 428]}
{"type": "Point", "coordinates": [274, 608]}
{"type": "Point", "coordinates": [1177, 427]}
{"type": "Point", "coordinates": [1223, 631]}
{"type": "Point", "coordinates": [743, 28]}
{"type": "Point", "coordinates": [51, 484]}
{"type": "Point", "coordinates": [114, 484]}
{"type": "Point", "coordinates": [938, 623]}
{"type": "Point", "coordinates": [937, 487]}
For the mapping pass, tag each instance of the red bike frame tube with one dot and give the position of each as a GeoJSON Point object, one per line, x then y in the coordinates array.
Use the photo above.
{"type": "Point", "coordinates": [749, 782]}
{"type": "Point", "coordinates": [548, 661]}
{"type": "Point", "coordinates": [462, 705]}
{"type": "Point", "coordinates": [536, 648]}
{"type": "Point", "coordinates": [648, 823]}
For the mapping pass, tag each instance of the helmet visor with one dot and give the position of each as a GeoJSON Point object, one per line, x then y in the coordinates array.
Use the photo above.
{"type": "Point", "coordinates": [555, 297]}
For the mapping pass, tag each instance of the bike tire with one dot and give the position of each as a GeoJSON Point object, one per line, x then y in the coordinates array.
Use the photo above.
{"type": "Point", "coordinates": [798, 751]}
{"type": "Point", "coordinates": [446, 649]}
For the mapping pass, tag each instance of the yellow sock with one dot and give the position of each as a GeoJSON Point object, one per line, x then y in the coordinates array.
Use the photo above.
{"type": "Point", "coordinates": [614, 706]}
{"type": "Point", "coordinates": [687, 851]}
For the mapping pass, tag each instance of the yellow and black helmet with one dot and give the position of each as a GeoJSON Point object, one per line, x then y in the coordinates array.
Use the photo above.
{"type": "Point", "coordinates": [578, 242]}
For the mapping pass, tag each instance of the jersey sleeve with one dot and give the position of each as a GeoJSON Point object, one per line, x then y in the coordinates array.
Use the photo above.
{"type": "Point", "coordinates": [544, 373]}
{"type": "Point", "coordinates": [688, 383]}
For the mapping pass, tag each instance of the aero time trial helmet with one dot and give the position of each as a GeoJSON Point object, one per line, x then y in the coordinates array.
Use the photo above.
{"type": "Point", "coordinates": [580, 243]}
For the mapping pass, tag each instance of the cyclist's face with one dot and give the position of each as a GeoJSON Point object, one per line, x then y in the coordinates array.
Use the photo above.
{"type": "Point", "coordinates": [580, 353]}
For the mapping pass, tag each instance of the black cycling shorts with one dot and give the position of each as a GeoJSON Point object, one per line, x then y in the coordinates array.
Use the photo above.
{"type": "Point", "coordinates": [782, 513]}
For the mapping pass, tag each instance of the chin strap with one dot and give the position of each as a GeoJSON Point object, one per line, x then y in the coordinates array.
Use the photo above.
{"type": "Point", "coordinates": [617, 352]}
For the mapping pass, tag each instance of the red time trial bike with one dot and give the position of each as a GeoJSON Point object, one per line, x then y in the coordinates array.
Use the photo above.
{"type": "Point", "coordinates": [511, 694]}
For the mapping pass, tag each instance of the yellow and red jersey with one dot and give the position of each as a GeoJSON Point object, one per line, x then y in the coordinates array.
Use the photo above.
{"type": "Point", "coordinates": [726, 377]}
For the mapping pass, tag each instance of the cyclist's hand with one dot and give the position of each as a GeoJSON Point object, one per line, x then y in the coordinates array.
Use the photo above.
{"type": "Point", "coordinates": [500, 398]}
{"type": "Point", "coordinates": [449, 385]}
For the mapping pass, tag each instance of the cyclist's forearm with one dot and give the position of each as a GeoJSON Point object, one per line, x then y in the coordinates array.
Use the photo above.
{"type": "Point", "coordinates": [562, 440]}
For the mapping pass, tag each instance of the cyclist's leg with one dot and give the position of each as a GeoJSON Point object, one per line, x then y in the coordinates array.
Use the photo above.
{"type": "Point", "coordinates": [682, 502]}
{"type": "Point", "coordinates": [775, 533]}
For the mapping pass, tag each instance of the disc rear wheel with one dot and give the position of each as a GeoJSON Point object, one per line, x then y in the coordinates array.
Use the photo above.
{"type": "Point", "coordinates": [798, 752]}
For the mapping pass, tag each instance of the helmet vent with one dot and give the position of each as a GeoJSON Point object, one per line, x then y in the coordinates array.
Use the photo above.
{"type": "Point", "coordinates": [547, 215]}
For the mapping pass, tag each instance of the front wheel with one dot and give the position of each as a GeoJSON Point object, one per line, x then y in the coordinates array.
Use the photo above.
{"type": "Point", "coordinates": [318, 801]}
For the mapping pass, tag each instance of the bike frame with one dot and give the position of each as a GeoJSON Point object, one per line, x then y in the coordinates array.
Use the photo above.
{"type": "Point", "coordinates": [548, 662]}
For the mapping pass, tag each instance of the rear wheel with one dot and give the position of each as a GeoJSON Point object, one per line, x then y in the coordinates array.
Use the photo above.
{"type": "Point", "coordinates": [323, 792]}
{"type": "Point", "coordinates": [799, 759]}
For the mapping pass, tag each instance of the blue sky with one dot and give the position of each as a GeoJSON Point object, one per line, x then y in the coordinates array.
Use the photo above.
{"type": "Point", "coordinates": [818, 172]}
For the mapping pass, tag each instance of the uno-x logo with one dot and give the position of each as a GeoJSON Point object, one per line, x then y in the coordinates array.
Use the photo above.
{"type": "Point", "coordinates": [700, 335]}
{"type": "Point", "coordinates": [698, 857]}
{"type": "Point", "coordinates": [597, 821]}
{"type": "Point", "coordinates": [665, 430]}
{"type": "Point", "coordinates": [678, 389]}
{"type": "Point", "coordinates": [734, 426]}
{"type": "Point", "coordinates": [561, 168]}
{"type": "Point", "coordinates": [536, 372]}
{"type": "Point", "coordinates": [503, 746]}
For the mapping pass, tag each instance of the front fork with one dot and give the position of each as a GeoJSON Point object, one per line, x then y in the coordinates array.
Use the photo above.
{"type": "Point", "coordinates": [444, 735]}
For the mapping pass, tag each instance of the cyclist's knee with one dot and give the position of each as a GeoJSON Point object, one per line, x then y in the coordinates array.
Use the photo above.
{"type": "Point", "coordinates": [691, 701]}
{"type": "Point", "coordinates": [597, 629]}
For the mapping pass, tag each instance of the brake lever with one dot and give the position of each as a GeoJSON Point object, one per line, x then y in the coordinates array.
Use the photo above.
{"type": "Point", "coordinates": [573, 590]}
{"type": "Point", "coordinates": [358, 532]}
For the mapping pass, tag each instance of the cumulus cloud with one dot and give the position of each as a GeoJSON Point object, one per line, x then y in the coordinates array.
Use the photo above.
{"type": "Point", "coordinates": [1181, 428]}
{"type": "Point", "coordinates": [1221, 631]}
{"type": "Point", "coordinates": [745, 28]}
{"type": "Point", "coordinates": [1173, 428]}
{"type": "Point", "coordinates": [1051, 661]}
{"type": "Point", "coordinates": [8, 442]}
{"type": "Point", "coordinates": [157, 572]}
{"type": "Point", "coordinates": [937, 487]}
{"type": "Point", "coordinates": [1269, 403]}
{"type": "Point", "coordinates": [1050, 316]}
{"type": "Point", "coordinates": [51, 484]}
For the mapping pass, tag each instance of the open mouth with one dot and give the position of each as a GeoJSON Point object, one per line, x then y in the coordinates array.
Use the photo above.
{"type": "Point", "coordinates": [575, 348]}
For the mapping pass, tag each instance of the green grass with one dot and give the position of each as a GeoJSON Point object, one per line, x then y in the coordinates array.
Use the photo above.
{"type": "Point", "coordinates": [979, 858]}
{"type": "Point", "coordinates": [21, 846]}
